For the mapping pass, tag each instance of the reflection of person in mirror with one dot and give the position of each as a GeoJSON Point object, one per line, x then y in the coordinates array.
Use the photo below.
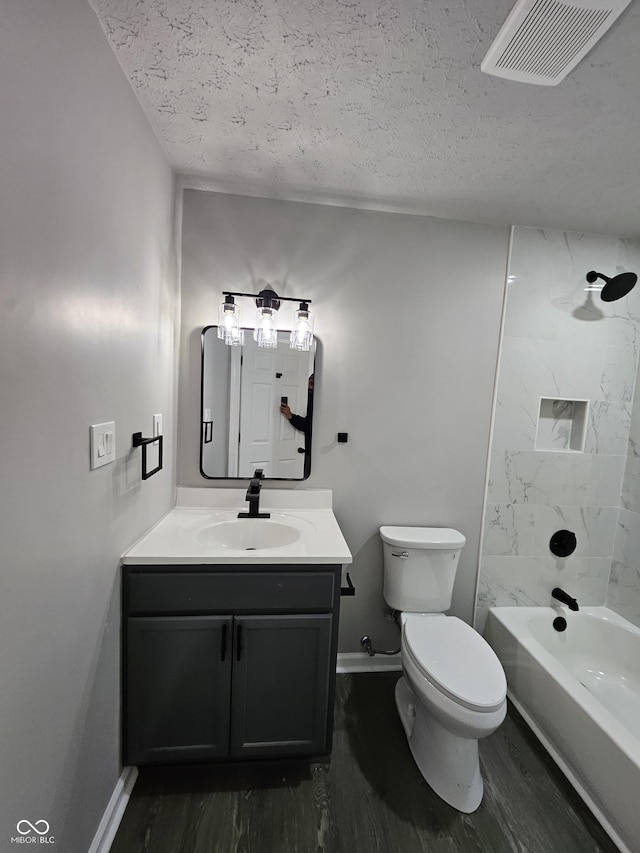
{"type": "Point", "coordinates": [300, 422]}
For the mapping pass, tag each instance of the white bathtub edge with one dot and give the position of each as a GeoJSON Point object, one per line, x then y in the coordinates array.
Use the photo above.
{"type": "Point", "coordinates": [589, 704]}
{"type": "Point", "coordinates": [570, 775]}
{"type": "Point", "coordinates": [565, 717]}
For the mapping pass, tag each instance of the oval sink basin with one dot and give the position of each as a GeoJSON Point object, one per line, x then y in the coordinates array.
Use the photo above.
{"type": "Point", "coordinates": [249, 534]}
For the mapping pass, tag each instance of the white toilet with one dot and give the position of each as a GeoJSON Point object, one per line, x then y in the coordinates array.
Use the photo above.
{"type": "Point", "coordinates": [454, 688]}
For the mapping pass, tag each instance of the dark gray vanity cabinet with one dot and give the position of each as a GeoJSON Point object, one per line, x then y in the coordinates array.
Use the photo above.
{"type": "Point", "coordinates": [178, 687]}
{"type": "Point", "coordinates": [228, 663]}
{"type": "Point", "coordinates": [280, 685]}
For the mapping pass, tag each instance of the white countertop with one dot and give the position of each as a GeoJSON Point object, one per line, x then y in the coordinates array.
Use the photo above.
{"type": "Point", "coordinates": [186, 535]}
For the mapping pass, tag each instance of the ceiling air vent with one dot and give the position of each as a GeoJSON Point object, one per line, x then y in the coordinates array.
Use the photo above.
{"type": "Point", "coordinates": [542, 40]}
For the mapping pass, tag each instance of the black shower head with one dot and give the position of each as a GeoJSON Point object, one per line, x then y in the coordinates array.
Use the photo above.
{"type": "Point", "coordinates": [616, 287]}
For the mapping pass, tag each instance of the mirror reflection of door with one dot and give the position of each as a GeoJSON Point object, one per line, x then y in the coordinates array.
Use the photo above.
{"type": "Point", "coordinates": [242, 425]}
{"type": "Point", "coordinates": [267, 439]}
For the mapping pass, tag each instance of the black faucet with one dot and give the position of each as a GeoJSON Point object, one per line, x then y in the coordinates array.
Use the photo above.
{"type": "Point", "coordinates": [565, 598]}
{"type": "Point", "coordinates": [253, 496]}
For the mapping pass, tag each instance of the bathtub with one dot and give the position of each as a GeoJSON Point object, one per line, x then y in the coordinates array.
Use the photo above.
{"type": "Point", "coordinates": [579, 690]}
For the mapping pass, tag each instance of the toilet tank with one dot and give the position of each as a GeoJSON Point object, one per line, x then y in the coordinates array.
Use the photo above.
{"type": "Point", "coordinates": [420, 565]}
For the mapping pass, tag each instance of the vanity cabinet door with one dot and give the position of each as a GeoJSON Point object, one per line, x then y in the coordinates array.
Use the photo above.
{"type": "Point", "coordinates": [281, 685]}
{"type": "Point", "coordinates": [178, 688]}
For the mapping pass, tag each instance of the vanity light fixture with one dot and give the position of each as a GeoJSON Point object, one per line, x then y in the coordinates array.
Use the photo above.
{"type": "Point", "coordinates": [266, 328]}
{"type": "Point", "coordinates": [302, 333]}
{"type": "Point", "coordinates": [229, 328]}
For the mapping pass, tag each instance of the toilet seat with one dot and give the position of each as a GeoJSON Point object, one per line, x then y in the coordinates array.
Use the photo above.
{"type": "Point", "coordinates": [456, 660]}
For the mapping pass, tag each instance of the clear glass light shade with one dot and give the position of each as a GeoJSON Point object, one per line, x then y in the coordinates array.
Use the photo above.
{"type": "Point", "coordinates": [266, 330]}
{"type": "Point", "coordinates": [229, 329]}
{"type": "Point", "coordinates": [302, 332]}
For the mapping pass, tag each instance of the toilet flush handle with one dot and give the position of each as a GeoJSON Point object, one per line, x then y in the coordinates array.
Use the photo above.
{"type": "Point", "coordinates": [403, 554]}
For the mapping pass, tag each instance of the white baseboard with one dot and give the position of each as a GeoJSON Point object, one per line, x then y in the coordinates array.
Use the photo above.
{"type": "Point", "coordinates": [106, 832]}
{"type": "Point", "coordinates": [362, 662]}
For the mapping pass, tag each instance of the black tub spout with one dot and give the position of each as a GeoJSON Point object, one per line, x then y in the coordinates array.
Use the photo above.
{"type": "Point", "coordinates": [565, 598]}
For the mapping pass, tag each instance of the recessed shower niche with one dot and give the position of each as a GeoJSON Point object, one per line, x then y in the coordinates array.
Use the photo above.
{"type": "Point", "coordinates": [562, 424]}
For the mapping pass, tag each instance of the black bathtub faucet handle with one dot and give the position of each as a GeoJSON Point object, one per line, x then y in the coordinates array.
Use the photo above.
{"type": "Point", "coordinates": [563, 543]}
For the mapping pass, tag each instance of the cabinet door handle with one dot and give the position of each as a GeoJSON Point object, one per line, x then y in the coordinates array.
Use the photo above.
{"type": "Point", "coordinates": [239, 642]}
{"type": "Point", "coordinates": [223, 645]}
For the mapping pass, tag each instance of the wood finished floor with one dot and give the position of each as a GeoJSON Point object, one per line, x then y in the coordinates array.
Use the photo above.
{"type": "Point", "coordinates": [370, 798]}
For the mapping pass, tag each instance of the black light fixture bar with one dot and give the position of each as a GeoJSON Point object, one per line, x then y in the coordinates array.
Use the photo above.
{"type": "Point", "coordinates": [267, 294]}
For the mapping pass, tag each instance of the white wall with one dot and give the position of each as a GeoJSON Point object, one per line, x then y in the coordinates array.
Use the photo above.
{"type": "Point", "coordinates": [88, 307]}
{"type": "Point", "coordinates": [564, 343]}
{"type": "Point", "coordinates": [408, 314]}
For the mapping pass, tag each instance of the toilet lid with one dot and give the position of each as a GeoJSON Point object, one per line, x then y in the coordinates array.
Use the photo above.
{"type": "Point", "coordinates": [457, 660]}
{"type": "Point", "coordinates": [432, 538]}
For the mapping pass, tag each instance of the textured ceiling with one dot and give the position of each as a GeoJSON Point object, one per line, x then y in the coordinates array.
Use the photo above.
{"type": "Point", "coordinates": [381, 103]}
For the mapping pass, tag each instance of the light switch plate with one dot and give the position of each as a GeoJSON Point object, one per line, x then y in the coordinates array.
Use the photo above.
{"type": "Point", "coordinates": [157, 425]}
{"type": "Point", "coordinates": [103, 443]}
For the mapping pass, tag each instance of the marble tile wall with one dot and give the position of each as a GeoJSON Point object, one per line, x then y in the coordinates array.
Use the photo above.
{"type": "Point", "coordinates": [623, 594]}
{"type": "Point", "coordinates": [564, 344]}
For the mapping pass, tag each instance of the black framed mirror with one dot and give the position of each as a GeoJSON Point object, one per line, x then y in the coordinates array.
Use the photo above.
{"type": "Point", "coordinates": [256, 408]}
